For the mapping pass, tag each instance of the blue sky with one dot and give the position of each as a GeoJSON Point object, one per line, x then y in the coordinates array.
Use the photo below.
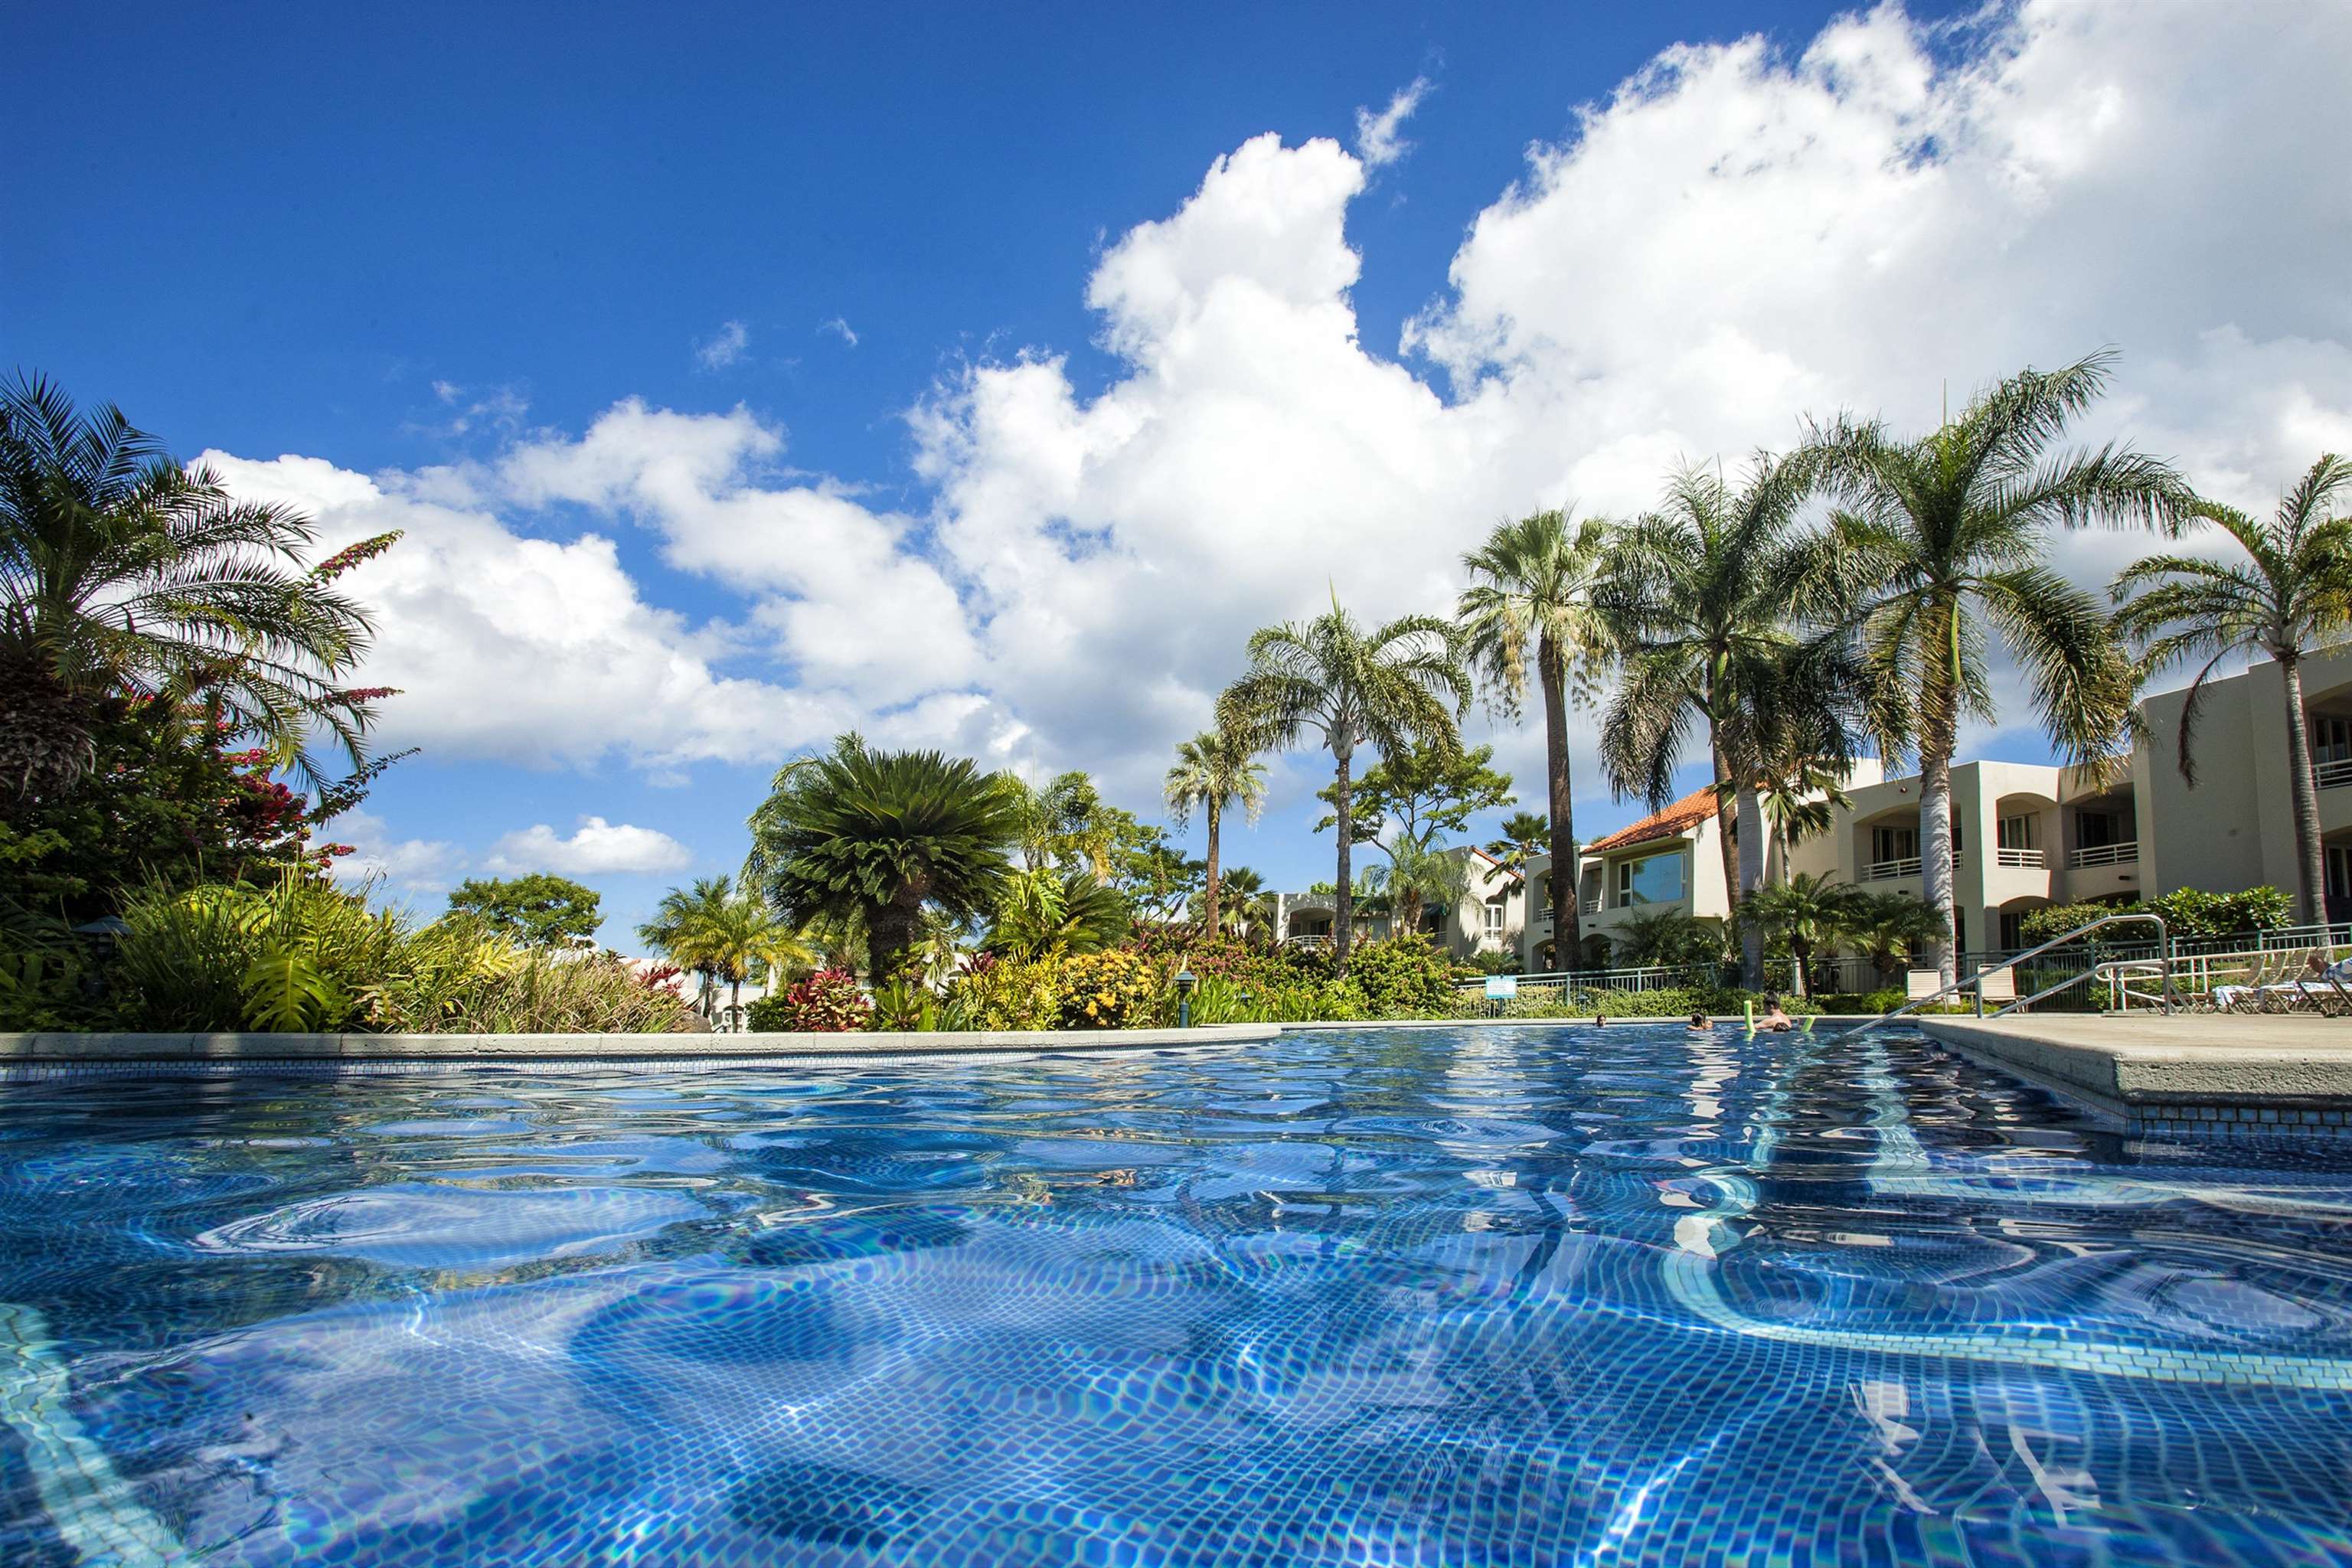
{"type": "Point", "coordinates": [1009, 313]}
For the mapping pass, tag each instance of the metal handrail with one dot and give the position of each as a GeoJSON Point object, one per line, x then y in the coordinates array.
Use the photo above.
{"type": "Point", "coordinates": [1975, 981]}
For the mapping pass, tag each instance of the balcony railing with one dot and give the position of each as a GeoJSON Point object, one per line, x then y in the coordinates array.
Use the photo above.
{"type": "Point", "coordinates": [2337, 775]}
{"type": "Point", "coordinates": [1590, 906]}
{"type": "Point", "coordinates": [1882, 871]}
{"type": "Point", "coordinates": [2106, 854]}
{"type": "Point", "coordinates": [2023, 859]}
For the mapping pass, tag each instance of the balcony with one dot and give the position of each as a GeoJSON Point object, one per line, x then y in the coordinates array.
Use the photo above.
{"type": "Point", "coordinates": [1590, 906]}
{"type": "Point", "coordinates": [1884, 870]}
{"type": "Point", "coordinates": [2337, 775]}
{"type": "Point", "coordinates": [2021, 860]}
{"type": "Point", "coordinates": [2104, 855]}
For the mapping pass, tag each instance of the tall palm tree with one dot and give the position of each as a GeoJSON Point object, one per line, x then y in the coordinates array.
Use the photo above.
{"type": "Point", "coordinates": [1214, 769]}
{"type": "Point", "coordinates": [1809, 911]}
{"type": "Point", "coordinates": [1800, 795]}
{"type": "Point", "coordinates": [1389, 686]}
{"type": "Point", "coordinates": [1524, 836]}
{"type": "Point", "coordinates": [1705, 597]}
{"type": "Point", "coordinates": [1248, 908]}
{"type": "Point", "coordinates": [1943, 538]}
{"type": "Point", "coordinates": [2292, 590]}
{"type": "Point", "coordinates": [1530, 599]}
{"type": "Point", "coordinates": [123, 574]}
{"type": "Point", "coordinates": [881, 836]}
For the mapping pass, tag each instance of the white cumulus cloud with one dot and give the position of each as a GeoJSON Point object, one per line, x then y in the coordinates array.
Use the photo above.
{"type": "Point", "coordinates": [595, 846]}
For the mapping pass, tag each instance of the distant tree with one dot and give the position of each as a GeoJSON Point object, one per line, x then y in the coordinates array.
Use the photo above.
{"type": "Point", "coordinates": [2292, 593]}
{"type": "Point", "coordinates": [1394, 687]}
{"type": "Point", "coordinates": [536, 910]}
{"type": "Point", "coordinates": [1942, 539]}
{"type": "Point", "coordinates": [1525, 836]}
{"type": "Point", "coordinates": [1531, 601]}
{"type": "Point", "coordinates": [880, 836]}
{"type": "Point", "coordinates": [726, 935]}
{"type": "Point", "coordinates": [1416, 878]}
{"type": "Point", "coordinates": [1214, 770]}
{"type": "Point", "coordinates": [1888, 927]}
{"type": "Point", "coordinates": [1670, 938]}
{"type": "Point", "coordinates": [1420, 796]}
{"type": "Point", "coordinates": [1248, 911]}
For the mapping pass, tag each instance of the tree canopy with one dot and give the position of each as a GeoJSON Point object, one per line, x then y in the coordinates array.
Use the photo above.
{"type": "Point", "coordinates": [537, 910]}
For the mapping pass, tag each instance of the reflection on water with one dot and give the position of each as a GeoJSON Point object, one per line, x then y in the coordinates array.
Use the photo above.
{"type": "Point", "coordinates": [1519, 1295]}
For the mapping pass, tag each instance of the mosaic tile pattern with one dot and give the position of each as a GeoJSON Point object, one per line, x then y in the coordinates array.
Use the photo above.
{"type": "Point", "coordinates": [1535, 1296]}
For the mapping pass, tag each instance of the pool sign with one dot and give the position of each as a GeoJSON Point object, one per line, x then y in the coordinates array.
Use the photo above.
{"type": "Point", "coordinates": [1502, 988]}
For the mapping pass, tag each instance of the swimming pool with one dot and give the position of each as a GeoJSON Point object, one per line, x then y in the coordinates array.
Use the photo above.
{"type": "Point", "coordinates": [1504, 1295]}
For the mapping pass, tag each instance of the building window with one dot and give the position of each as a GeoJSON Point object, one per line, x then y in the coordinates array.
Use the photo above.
{"type": "Point", "coordinates": [2339, 870]}
{"type": "Point", "coordinates": [1652, 880]}
{"type": "Point", "coordinates": [2012, 928]}
{"type": "Point", "coordinates": [1490, 917]}
{"type": "Point", "coordinates": [2331, 738]}
{"type": "Point", "coordinates": [2018, 833]}
{"type": "Point", "coordinates": [1893, 844]}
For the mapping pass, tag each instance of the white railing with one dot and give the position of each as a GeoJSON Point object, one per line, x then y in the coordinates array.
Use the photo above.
{"type": "Point", "coordinates": [2106, 854]}
{"type": "Point", "coordinates": [2023, 859]}
{"type": "Point", "coordinates": [1590, 906]}
{"type": "Point", "coordinates": [2337, 775]}
{"type": "Point", "coordinates": [1880, 870]}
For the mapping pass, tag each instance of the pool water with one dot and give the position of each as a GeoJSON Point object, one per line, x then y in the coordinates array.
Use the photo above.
{"type": "Point", "coordinates": [1520, 1295]}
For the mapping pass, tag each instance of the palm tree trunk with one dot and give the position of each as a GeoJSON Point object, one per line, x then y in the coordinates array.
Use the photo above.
{"type": "Point", "coordinates": [1211, 902]}
{"type": "Point", "coordinates": [2312, 900]}
{"type": "Point", "coordinates": [734, 1001]}
{"type": "Point", "coordinates": [1567, 928]}
{"type": "Point", "coordinates": [1344, 904]}
{"type": "Point", "coordinates": [1936, 841]}
{"type": "Point", "coordinates": [1804, 955]}
{"type": "Point", "coordinates": [889, 931]}
{"type": "Point", "coordinates": [1750, 814]}
{"type": "Point", "coordinates": [1726, 832]}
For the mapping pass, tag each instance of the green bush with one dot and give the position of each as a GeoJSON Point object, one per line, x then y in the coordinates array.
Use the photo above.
{"type": "Point", "coordinates": [302, 955]}
{"type": "Point", "coordinates": [1009, 994]}
{"type": "Point", "coordinates": [2192, 911]}
{"type": "Point", "coordinates": [1405, 977]}
{"type": "Point", "coordinates": [1680, 1002]}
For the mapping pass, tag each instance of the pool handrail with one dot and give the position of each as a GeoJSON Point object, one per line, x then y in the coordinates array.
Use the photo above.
{"type": "Point", "coordinates": [1974, 983]}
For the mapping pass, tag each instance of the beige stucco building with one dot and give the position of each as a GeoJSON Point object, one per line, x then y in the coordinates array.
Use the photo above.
{"type": "Point", "coordinates": [2027, 834]}
{"type": "Point", "coordinates": [1489, 916]}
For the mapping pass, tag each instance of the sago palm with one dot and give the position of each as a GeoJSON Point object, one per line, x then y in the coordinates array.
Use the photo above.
{"type": "Point", "coordinates": [1214, 769]}
{"type": "Point", "coordinates": [1944, 539]}
{"type": "Point", "coordinates": [123, 574]}
{"type": "Point", "coordinates": [1530, 603]}
{"type": "Point", "coordinates": [1393, 686]}
{"type": "Point", "coordinates": [2293, 592]}
{"type": "Point", "coordinates": [1707, 598]}
{"type": "Point", "coordinates": [881, 836]}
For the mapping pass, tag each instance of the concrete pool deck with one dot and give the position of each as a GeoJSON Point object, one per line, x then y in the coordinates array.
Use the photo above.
{"type": "Point", "coordinates": [2198, 1074]}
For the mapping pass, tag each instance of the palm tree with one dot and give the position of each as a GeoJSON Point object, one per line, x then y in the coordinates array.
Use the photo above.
{"type": "Point", "coordinates": [1524, 836]}
{"type": "Point", "coordinates": [1943, 537]}
{"type": "Point", "coordinates": [123, 574]}
{"type": "Point", "coordinates": [1214, 769]}
{"type": "Point", "coordinates": [1705, 596]}
{"type": "Point", "coordinates": [1389, 686]}
{"type": "Point", "coordinates": [1800, 797]}
{"type": "Point", "coordinates": [723, 935]}
{"type": "Point", "coordinates": [1672, 938]}
{"type": "Point", "coordinates": [1047, 910]}
{"type": "Point", "coordinates": [1889, 927]}
{"type": "Point", "coordinates": [2292, 590]}
{"type": "Point", "coordinates": [1419, 874]}
{"type": "Point", "coordinates": [881, 836]}
{"type": "Point", "coordinates": [1248, 908]}
{"type": "Point", "coordinates": [1531, 594]}
{"type": "Point", "coordinates": [1807, 911]}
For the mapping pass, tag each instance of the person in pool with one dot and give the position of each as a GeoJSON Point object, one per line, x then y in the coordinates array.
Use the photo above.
{"type": "Point", "coordinates": [1699, 1025]}
{"type": "Point", "coordinates": [1775, 1018]}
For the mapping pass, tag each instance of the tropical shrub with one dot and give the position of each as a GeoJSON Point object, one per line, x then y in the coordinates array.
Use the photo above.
{"type": "Point", "coordinates": [1681, 1001]}
{"type": "Point", "coordinates": [2192, 911]}
{"type": "Point", "coordinates": [1009, 994]}
{"type": "Point", "coordinates": [826, 1003]}
{"type": "Point", "coordinates": [1115, 989]}
{"type": "Point", "coordinates": [2055, 919]}
{"type": "Point", "coordinates": [1403, 977]}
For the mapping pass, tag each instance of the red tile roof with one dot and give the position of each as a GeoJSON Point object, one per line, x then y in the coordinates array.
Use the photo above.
{"type": "Point", "coordinates": [1680, 817]}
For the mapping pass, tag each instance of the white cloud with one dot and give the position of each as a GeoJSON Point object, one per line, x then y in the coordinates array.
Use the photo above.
{"type": "Point", "coordinates": [1379, 137]}
{"type": "Point", "coordinates": [1736, 237]}
{"type": "Point", "coordinates": [597, 847]}
{"type": "Point", "coordinates": [835, 324]}
{"type": "Point", "coordinates": [416, 864]}
{"type": "Point", "coordinates": [724, 347]}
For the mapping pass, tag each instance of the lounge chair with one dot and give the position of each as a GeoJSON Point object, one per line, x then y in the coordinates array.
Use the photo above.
{"type": "Point", "coordinates": [2314, 986]}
